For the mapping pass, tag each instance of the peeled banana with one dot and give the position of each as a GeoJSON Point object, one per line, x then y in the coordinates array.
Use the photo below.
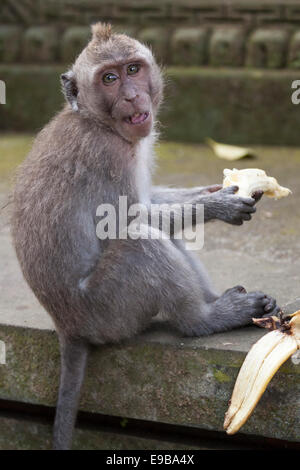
{"type": "Point", "coordinates": [251, 180]}
{"type": "Point", "coordinates": [261, 363]}
{"type": "Point", "coordinates": [228, 152]}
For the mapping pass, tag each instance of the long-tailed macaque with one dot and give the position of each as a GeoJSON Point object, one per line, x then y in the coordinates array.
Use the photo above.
{"type": "Point", "coordinates": [100, 147]}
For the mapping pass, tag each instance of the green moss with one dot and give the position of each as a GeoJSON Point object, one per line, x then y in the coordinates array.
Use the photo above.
{"type": "Point", "coordinates": [221, 376]}
{"type": "Point", "coordinates": [227, 46]}
{"type": "Point", "coordinates": [73, 41]}
{"type": "Point", "coordinates": [33, 96]}
{"type": "Point", "coordinates": [189, 45]}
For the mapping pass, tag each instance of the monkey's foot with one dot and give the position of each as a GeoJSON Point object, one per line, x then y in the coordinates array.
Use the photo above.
{"type": "Point", "coordinates": [236, 307]}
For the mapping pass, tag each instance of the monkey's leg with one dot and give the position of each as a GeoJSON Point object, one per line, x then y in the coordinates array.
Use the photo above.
{"type": "Point", "coordinates": [233, 309]}
{"type": "Point", "coordinates": [136, 279]}
{"type": "Point", "coordinates": [74, 355]}
{"type": "Point", "coordinates": [218, 313]}
{"type": "Point", "coordinates": [133, 281]}
{"type": "Point", "coordinates": [204, 281]}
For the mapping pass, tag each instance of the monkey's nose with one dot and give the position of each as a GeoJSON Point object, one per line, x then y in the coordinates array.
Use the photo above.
{"type": "Point", "coordinates": [131, 98]}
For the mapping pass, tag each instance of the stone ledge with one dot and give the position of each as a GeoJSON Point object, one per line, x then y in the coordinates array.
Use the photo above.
{"type": "Point", "coordinates": [157, 377]}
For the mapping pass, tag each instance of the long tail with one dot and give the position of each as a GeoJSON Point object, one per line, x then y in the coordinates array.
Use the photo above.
{"type": "Point", "coordinates": [74, 354]}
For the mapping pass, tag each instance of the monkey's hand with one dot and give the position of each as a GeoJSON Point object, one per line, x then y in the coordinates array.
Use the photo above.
{"type": "Point", "coordinates": [224, 205]}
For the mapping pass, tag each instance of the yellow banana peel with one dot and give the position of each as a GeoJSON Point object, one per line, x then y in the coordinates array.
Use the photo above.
{"type": "Point", "coordinates": [261, 363]}
{"type": "Point", "coordinates": [228, 152]}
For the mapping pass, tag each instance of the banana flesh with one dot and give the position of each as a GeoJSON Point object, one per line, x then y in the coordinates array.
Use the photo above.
{"type": "Point", "coordinates": [261, 363]}
{"type": "Point", "coordinates": [251, 180]}
{"type": "Point", "coordinates": [228, 152]}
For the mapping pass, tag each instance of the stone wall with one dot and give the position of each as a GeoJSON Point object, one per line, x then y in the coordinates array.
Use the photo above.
{"type": "Point", "coordinates": [222, 49]}
{"type": "Point", "coordinates": [237, 106]}
{"type": "Point", "coordinates": [236, 33]}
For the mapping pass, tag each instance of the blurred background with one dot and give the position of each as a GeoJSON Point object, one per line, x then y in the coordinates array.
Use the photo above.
{"type": "Point", "coordinates": [230, 63]}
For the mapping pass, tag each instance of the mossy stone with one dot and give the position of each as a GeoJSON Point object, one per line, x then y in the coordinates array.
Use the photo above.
{"type": "Point", "coordinates": [158, 39]}
{"type": "Point", "coordinates": [226, 46]}
{"type": "Point", "coordinates": [294, 51]}
{"type": "Point", "coordinates": [10, 42]}
{"type": "Point", "coordinates": [73, 41]}
{"type": "Point", "coordinates": [158, 377]}
{"type": "Point", "coordinates": [40, 44]}
{"type": "Point", "coordinates": [231, 105]}
{"type": "Point", "coordinates": [188, 46]}
{"type": "Point", "coordinates": [125, 29]}
{"type": "Point", "coordinates": [267, 48]}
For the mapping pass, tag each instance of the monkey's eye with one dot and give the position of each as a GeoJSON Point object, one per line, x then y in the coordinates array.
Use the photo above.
{"type": "Point", "coordinates": [132, 69]}
{"type": "Point", "coordinates": [109, 78]}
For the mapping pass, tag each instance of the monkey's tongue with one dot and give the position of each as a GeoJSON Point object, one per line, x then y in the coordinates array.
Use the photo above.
{"type": "Point", "coordinates": [137, 118]}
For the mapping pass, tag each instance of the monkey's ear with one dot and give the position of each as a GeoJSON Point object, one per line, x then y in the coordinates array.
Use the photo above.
{"type": "Point", "coordinates": [69, 88]}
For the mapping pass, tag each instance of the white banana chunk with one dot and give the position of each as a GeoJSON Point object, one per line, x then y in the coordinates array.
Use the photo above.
{"type": "Point", "coordinates": [261, 363]}
{"type": "Point", "coordinates": [251, 180]}
{"type": "Point", "coordinates": [228, 152]}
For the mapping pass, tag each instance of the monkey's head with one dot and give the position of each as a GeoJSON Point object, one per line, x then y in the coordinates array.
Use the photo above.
{"type": "Point", "coordinates": [116, 81]}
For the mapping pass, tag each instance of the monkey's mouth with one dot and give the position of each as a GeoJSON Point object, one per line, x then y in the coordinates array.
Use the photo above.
{"type": "Point", "coordinates": [137, 118]}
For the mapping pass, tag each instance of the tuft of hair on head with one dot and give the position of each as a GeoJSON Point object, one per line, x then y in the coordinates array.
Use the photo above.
{"type": "Point", "coordinates": [101, 31]}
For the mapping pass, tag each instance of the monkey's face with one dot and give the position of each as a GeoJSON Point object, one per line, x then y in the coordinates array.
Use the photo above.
{"type": "Point", "coordinates": [116, 81]}
{"type": "Point", "coordinates": [125, 92]}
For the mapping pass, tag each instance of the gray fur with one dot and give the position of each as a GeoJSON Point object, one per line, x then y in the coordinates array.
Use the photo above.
{"type": "Point", "coordinates": [103, 292]}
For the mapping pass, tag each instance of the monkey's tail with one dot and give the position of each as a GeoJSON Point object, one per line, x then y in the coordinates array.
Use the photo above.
{"type": "Point", "coordinates": [74, 354]}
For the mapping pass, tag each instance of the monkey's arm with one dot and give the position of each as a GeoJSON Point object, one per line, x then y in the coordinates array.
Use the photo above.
{"type": "Point", "coordinates": [177, 208]}
{"type": "Point", "coordinates": [165, 195]}
{"type": "Point", "coordinates": [218, 203]}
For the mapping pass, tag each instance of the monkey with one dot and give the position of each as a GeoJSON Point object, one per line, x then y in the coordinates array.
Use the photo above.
{"type": "Point", "coordinates": [99, 147]}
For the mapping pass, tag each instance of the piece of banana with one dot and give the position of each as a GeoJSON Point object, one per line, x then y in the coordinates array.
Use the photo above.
{"type": "Point", "coordinates": [228, 152]}
{"type": "Point", "coordinates": [261, 363]}
{"type": "Point", "coordinates": [251, 180]}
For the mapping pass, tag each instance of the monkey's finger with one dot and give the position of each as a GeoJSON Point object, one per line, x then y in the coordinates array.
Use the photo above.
{"type": "Point", "coordinates": [214, 188]}
{"type": "Point", "coordinates": [235, 289]}
{"type": "Point", "coordinates": [238, 221]}
{"type": "Point", "coordinates": [266, 300]}
{"type": "Point", "coordinates": [270, 305]}
{"type": "Point", "coordinates": [257, 195]}
{"type": "Point", "coordinates": [230, 190]}
{"type": "Point", "coordinates": [275, 312]}
{"type": "Point", "coordinates": [240, 289]}
{"type": "Point", "coordinates": [246, 216]}
{"type": "Point", "coordinates": [248, 209]}
{"type": "Point", "coordinates": [249, 201]}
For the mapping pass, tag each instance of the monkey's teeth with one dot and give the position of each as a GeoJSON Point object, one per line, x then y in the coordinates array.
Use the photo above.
{"type": "Point", "coordinates": [138, 118]}
{"type": "Point", "coordinates": [260, 365]}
